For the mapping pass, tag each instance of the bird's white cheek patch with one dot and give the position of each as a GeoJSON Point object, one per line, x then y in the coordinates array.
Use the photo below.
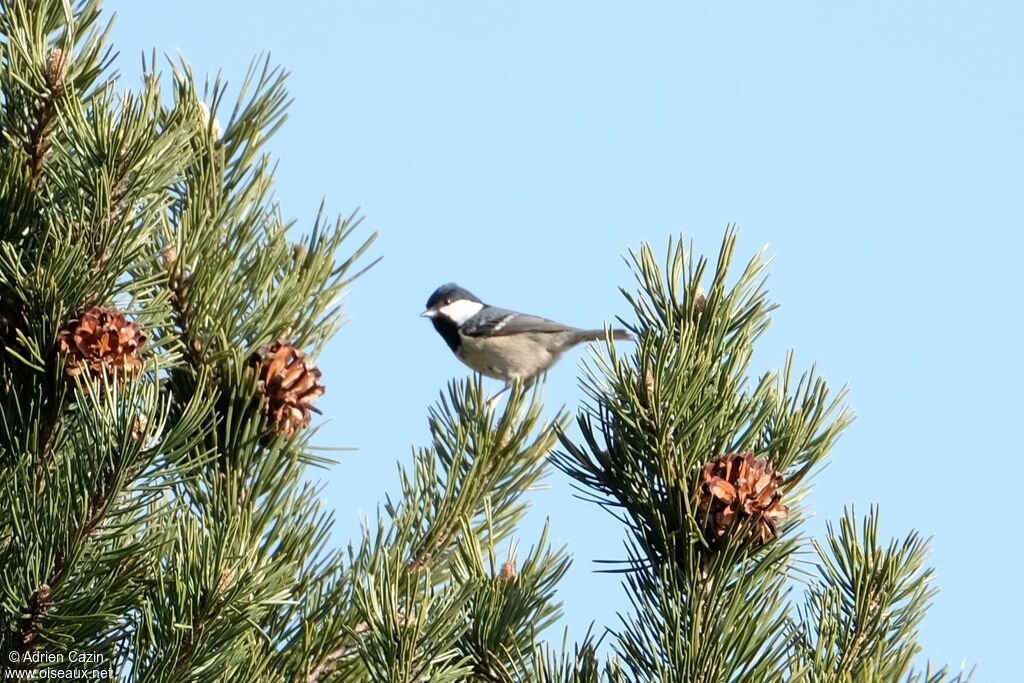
{"type": "Point", "coordinates": [462, 310]}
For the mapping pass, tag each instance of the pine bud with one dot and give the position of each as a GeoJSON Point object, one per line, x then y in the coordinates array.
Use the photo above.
{"type": "Point", "coordinates": [204, 119]}
{"type": "Point", "coordinates": [645, 388]}
{"type": "Point", "coordinates": [227, 578]}
{"type": "Point", "coordinates": [170, 257]}
{"type": "Point", "coordinates": [139, 429]}
{"type": "Point", "coordinates": [508, 572]}
{"type": "Point", "coordinates": [100, 263]}
{"type": "Point", "coordinates": [56, 69]}
{"type": "Point", "coordinates": [699, 300]}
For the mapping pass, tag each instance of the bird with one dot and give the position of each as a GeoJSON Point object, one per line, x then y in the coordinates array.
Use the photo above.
{"type": "Point", "coordinates": [499, 343]}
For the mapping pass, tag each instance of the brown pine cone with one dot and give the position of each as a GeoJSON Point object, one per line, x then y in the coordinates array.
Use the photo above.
{"type": "Point", "coordinates": [290, 385]}
{"type": "Point", "coordinates": [736, 487]}
{"type": "Point", "coordinates": [102, 342]}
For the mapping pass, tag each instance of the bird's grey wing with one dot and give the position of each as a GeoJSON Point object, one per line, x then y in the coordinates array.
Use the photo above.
{"type": "Point", "coordinates": [500, 322]}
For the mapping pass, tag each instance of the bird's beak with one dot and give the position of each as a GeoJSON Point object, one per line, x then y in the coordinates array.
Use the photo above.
{"type": "Point", "coordinates": [429, 313]}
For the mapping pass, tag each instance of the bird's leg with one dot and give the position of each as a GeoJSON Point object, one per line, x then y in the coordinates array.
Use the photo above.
{"type": "Point", "coordinates": [493, 400]}
{"type": "Point", "coordinates": [523, 384]}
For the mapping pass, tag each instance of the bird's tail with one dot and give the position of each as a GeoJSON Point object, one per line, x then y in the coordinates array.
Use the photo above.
{"type": "Point", "coordinates": [618, 334]}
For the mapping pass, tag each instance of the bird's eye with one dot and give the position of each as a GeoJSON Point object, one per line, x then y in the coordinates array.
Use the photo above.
{"type": "Point", "coordinates": [447, 301]}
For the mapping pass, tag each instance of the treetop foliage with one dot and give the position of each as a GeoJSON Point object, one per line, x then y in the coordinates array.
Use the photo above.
{"type": "Point", "coordinates": [160, 323]}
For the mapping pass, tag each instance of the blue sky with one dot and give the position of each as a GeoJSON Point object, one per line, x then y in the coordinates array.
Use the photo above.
{"type": "Point", "coordinates": [521, 148]}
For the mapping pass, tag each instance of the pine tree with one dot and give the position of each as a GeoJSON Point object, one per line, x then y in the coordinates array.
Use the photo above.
{"type": "Point", "coordinates": [158, 376]}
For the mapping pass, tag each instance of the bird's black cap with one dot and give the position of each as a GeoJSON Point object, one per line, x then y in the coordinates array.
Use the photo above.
{"type": "Point", "coordinates": [448, 293]}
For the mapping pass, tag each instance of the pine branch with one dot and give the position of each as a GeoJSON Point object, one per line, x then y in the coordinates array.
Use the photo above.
{"type": "Point", "coordinates": [862, 615]}
{"type": "Point", "coordinates": [170, 525]}
{"type": "Point", "coordinates": [38, 141]}
{"type": "Point", "coordinates": [578, 664]}
{"type": "Point", "coordinates": [941, 675]}
{"type": "Point", "coordinates": [509, 607]}
{"type": "Point", "coordinates": [105, 414]}
{"type": "Point", "coordinates": [332, 660]}
{"type": "Point", "coordinates": [468, 486]}
{"type": "Point", "coordinates": [702, 465]}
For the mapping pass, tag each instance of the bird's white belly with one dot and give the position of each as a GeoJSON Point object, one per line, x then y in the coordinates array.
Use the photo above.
{"type": "Point", "coordinates": [509, 358]}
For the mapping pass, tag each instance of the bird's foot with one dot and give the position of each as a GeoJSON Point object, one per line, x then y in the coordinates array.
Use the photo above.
{"type": "Point", "coordinates": [492, 402]}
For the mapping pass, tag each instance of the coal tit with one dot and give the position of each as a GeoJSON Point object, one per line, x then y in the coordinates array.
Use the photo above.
{"type": "Point", "coordinates": [503, 344]}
